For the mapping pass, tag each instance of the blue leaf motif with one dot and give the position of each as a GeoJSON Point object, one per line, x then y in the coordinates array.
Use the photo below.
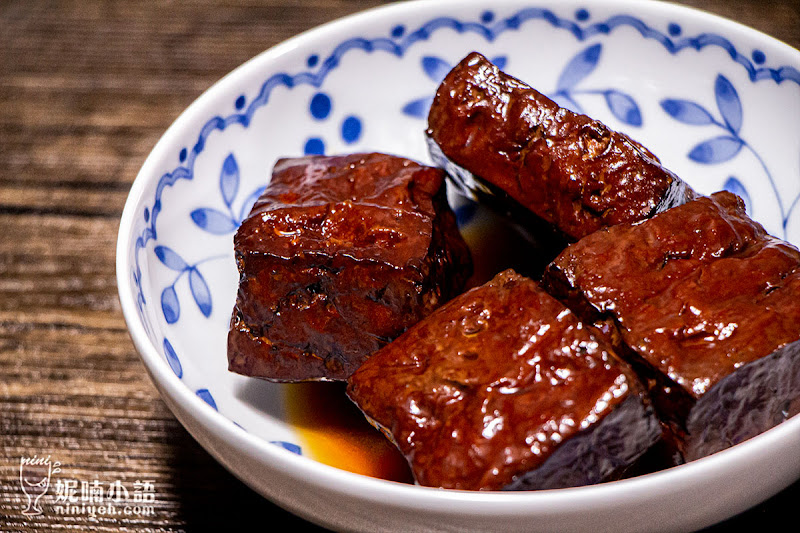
{"type": "Point", "coordinates": [735, 186]}
{"type": "Point", "coordinates": [623, 107]}
{"type": "Point", "coordinates": [172, 359]}
{"type": "Point", "coordinates": [229, 179]}
{"type": "Point", "coordinates": [579, 67]}
{"type": "Point", "coordinates": [564, 99]}
{"type": "Point", "coordinates": [728, 103]}
{"type": "Point", "coordinates": [213, 221]}
{"type": "Point", "coordinates": [249, 202]}
{"type": "Point", "coordinates": [200, 291]}
{"type": "Point", "coordinates": [418, 108]}
{"type": "Point", "coordinates": [171, 259]}
{"type": "Point", "coordinates": [294, 448]}
{"type": "Point", "coordinates": [500, 61]}
{"type": "Point", "coordinates": [205, 395]}
{"type": "Point", "coordinates": [687, 112]}
{"type": "Point", "coordinates": [435, 68]}
{"type": "Point", "coordinates": [716, 150]}
{"type": "Point", "coordinates": [170, 305]}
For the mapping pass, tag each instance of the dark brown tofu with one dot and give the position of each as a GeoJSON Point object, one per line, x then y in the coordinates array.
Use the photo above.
{"type": "Point", "coordinates": [700, 296]}
{"type": "Point", "coordinates": [504, 388]}
{"type": "Point", "coordinates": [754, 398]}
{"type": "Point", "coordinates": [339, 256]}
{"type": "Point", "coordinates": [499, 137]}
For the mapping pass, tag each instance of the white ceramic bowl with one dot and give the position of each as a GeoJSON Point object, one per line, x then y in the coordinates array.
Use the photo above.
{"type": "Point", "coordinates": [719, 104]}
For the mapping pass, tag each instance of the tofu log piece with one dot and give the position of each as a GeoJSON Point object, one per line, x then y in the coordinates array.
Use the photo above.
{"type": "Point", "coordinates": [339, 256]}
{"type": "Point", "coordinates": [706, 305]}
{"type": "Point", "coordinates": [499, 138]}
{"type": "Point", "coordinates": [504, 388]}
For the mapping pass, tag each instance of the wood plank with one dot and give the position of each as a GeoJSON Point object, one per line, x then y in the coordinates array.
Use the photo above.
{"type": "Point", "coordinates": [43, 199]}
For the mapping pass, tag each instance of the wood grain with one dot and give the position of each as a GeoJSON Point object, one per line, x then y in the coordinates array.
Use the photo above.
{"type": "Point", "coordinates": [86, 89]}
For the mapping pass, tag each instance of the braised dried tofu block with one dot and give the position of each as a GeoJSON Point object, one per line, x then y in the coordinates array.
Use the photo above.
{"type": "Point", "coordinates": [339, 256]}
{"type": "Point", "coordinates": [504, 388]}
{"type": "Point", "coordinates": [707, 305]}
{"type": "Point", "coordinates": [499, 137]}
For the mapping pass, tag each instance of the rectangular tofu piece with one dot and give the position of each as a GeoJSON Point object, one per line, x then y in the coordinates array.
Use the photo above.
{"type": "Point", "coordinates": [339, 256]}
{"type": "Point", "coordinates": [498, 138]}
{"type": "Point", "coordinates": [504, 388]}
{"type": "Point", "coordinates": [707, 306]}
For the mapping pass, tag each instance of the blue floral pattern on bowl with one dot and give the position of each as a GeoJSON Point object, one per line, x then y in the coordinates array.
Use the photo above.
{"type": "Point", "coordinates": [621, 104]}
{"type": "Point", "coordinates": [332, 126]}
{"type": "Point", "coordinates": [727, 143]}
{"type": "Point", "coordinates": [436, 68]}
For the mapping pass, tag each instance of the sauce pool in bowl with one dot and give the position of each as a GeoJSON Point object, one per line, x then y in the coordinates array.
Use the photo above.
{"type": "Point", "coordinates": [332, 430]}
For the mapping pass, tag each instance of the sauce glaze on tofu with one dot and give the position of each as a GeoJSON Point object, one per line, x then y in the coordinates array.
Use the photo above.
{"type": "Point", "coordinates": [504, 388]}
{"type": "Point", "coordinates": [695, 295]}
{"type": "Point", "coordinates": [339, 256]}
{"type": "Point", "coordinates": [499, 137]}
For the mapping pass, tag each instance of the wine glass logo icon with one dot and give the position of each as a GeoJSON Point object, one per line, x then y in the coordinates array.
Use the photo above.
{"type": "Point", "coordinates": [34, 478]}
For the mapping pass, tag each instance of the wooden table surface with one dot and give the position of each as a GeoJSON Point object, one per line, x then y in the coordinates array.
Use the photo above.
{"type": "Point", "coordinates": [86, 89]}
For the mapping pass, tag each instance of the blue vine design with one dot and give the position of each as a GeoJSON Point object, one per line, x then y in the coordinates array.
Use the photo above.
{"type": "Point", "coordinates": [397, 43]}
{"type": "Point", "coordinates": [436, 68]}
{"type": "Point", "coordinates": [621, 104]}
{"type": "Point", "coordinates": [206, 396]}
{"type": "Point", "coordinates": [213, 221]}
{"type": "Point", "coordinates": [225, 222]}
{"type": "Point", "coordinates": [170, 304]}
{"type": "Point", "coordinates": [294, 448]}
{"type": "Point", "coordinates": [728, 143]}
{"type": "Point", "coordinates": [172, 359]}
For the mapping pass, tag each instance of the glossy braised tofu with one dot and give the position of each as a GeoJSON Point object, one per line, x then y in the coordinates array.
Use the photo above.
{"type": "Point", "coordinates": [499, 137]}
{"type": "Point", "coordinates": [504, 388]}
{"type": "Point", "coordinates": [339, 256]}
{"type": "Point", "coordinates": [705, 303]}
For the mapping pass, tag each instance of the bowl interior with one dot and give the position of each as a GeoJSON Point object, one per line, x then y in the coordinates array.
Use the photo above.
{"type": "Point", "coordinates": [717, 103]}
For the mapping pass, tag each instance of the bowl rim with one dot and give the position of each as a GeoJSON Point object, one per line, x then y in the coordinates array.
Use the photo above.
{"type": "Point", "coordinates": [373, 489]}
